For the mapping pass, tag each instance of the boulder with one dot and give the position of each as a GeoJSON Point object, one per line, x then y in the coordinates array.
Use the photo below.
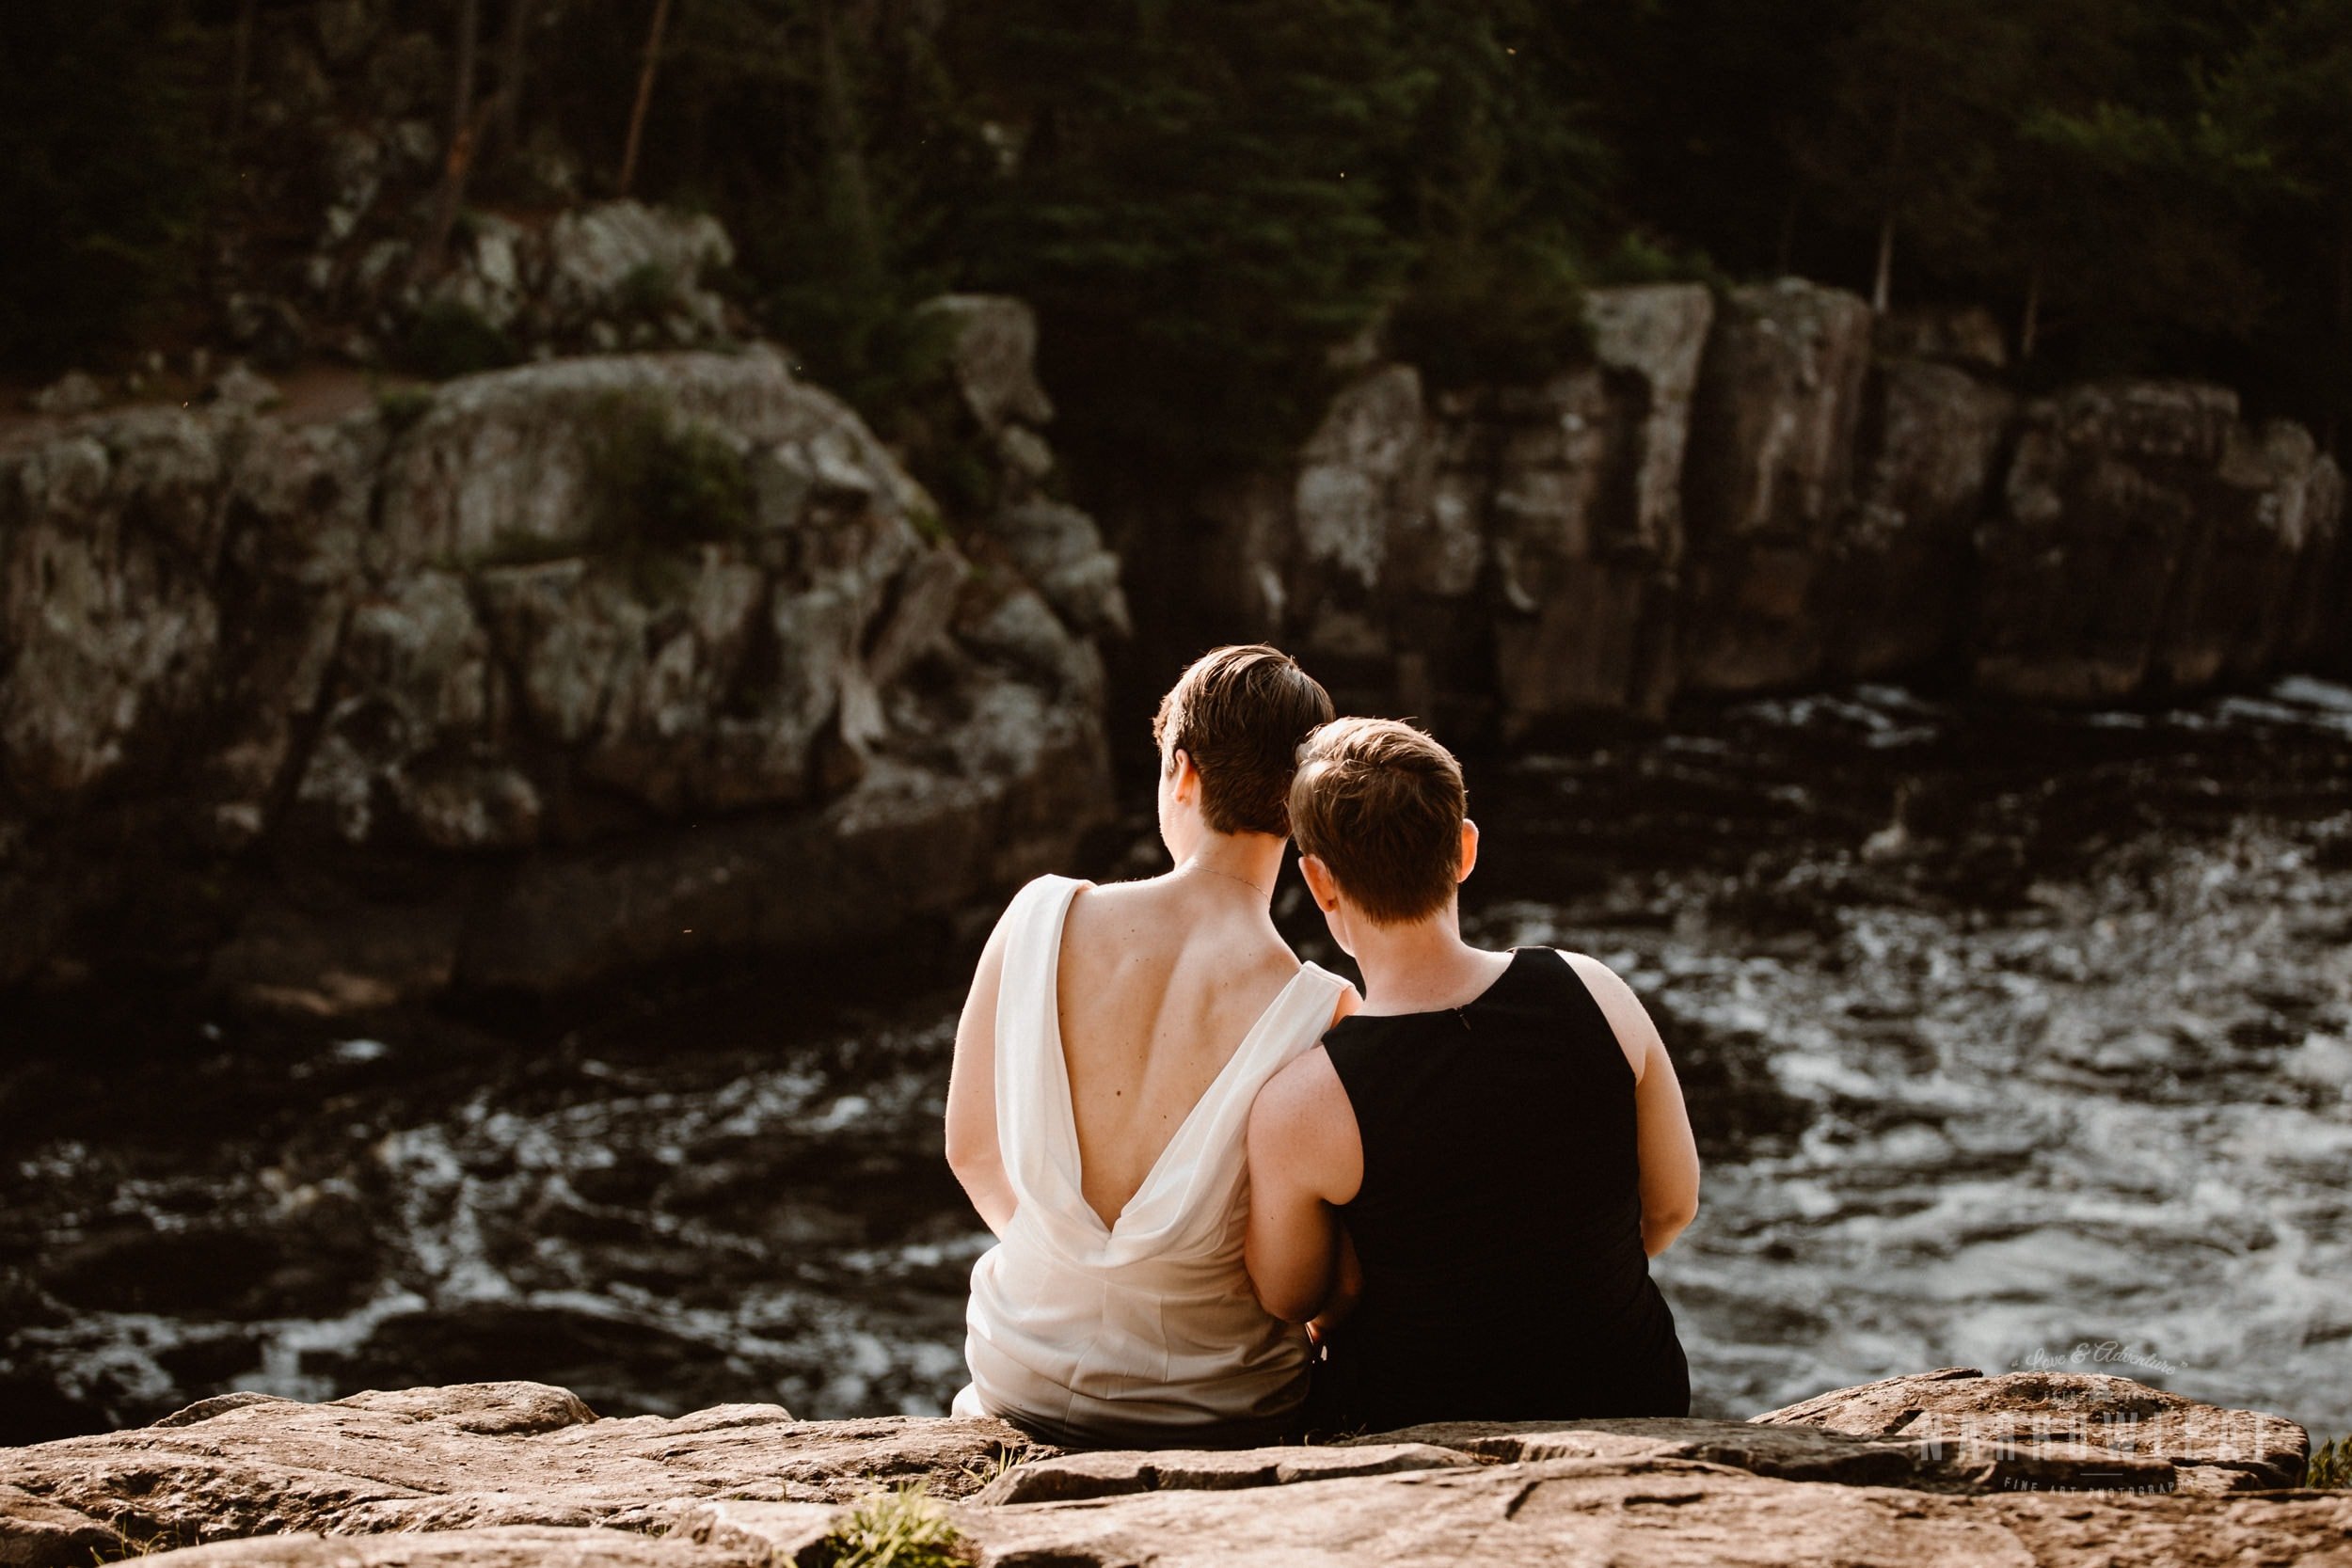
{"type": "Point", "coordinates": [1927, 454]}
{"type": "Point", "coordinates": [2215, 1449]}
{"type": "Point", "coordinates": [465, 1458]}
{"type": "Point", "coordinates": [2195, 530]}
{"type": "Point", "coordinates": [1770, 474]}
{"type": "Point", "coordinates": [993, 351]}
{"type": "Point", "coordinates": [74, 392]}
{"type": "Point", "coordinates": [598, 277]}
{"type": "Point", "coordinates": [577, 607]}
{"type": "Point", "coordinates": [1059, 548]}
{"type": "Point", "coordinates": [1776, 492]}
{"type": "Point", "coordinates": [484, 1476]}
{"type": "Point", "coordinates": [1505, 551]}
{"type": "Point", "coordinates": [992, 365]}
{"type": "Point", "coordinates": [1587, 525]}
{"type": "Point", "coordinates": [1965, 335]}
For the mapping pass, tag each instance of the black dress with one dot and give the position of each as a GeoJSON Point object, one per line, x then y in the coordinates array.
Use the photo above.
{"type": "Point", "coordinates": [1500, 1220]}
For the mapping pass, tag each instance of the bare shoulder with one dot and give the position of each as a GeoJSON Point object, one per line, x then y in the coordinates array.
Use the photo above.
{"type": "Point", "coordinates": [1303, 1133]}
{"type": "Point", "coordinates": [1637, 1035]}
{"type": "Point", "coordinates": [1301, 1098]}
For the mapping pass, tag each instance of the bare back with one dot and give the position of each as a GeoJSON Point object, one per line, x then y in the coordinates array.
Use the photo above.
{"type": "Point", "coordinates": [1159, 983]}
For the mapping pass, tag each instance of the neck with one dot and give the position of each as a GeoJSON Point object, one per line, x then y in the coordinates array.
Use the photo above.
{"type": "Point", "coordinates": [1248, 862]}
{"type": "Point", "coordinates": [1420, 967]}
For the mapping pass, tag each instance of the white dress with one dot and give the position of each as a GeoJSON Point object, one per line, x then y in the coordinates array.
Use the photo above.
{"type": "Point", "coordinates": [1146, 1330]}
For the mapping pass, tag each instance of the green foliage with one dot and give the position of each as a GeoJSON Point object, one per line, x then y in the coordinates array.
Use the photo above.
{"type": "Point", "coordinates": [1205, 199]}
{"type": "Point", "coordinates": [899, 1528]}
{"type": "Point", "coordinates": [450, 337]}
{"type": "Point", "coordinates": [1496, 312]}
{"type": "Point", "coordinates": [1194, 197]}
{"type": "Point", "coordinates": [1502, 178]}
{"type": "Point", "coordinates": [402, 406]}
{"type": "Point", "coordinates": [663, 483]}
{"type": "Point", "coordinates": [647, 292]}
{"type": "Point", "coordinates": [104, 176]}
{"type": "Point", "coordinates": [2329, 1467]}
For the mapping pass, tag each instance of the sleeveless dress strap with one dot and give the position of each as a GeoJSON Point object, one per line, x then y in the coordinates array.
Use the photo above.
{"type": "Point", "coordinates": [1032, 1079]}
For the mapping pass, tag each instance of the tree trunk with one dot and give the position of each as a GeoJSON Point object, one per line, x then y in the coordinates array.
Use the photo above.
{"type": "Point", "coordinates": [644, 95]}
{"type": "Point", "coordinates": [852, 197]}
{"type": "Point", "coordinates": [2030, 329]}
{"type": "Point", "coordinates": [463, 133]}
{"type": "Point", "coordinates": [2332, 425]}
{"type": "Point", "coordinates": [1883, 277]}
{"type": "Point", "coordinates": [1882, 281]}
{"type": "Point", "coordinates": [506, 116]}
{"type": "Point", "coordinates": [240, 67]}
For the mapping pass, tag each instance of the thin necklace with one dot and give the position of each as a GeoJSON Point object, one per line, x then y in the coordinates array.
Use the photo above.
{"type": "Point", "coordinates": [1264, 892]}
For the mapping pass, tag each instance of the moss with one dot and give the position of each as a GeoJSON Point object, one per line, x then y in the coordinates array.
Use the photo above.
{"type": "Point", "coordinates": [450, 337]}
{"type": "Point", "coordinates": [402, 406]}
{"type": "Point", "coordinates": [647, 292]}
{"type": "Point", "coordinates": [930, 525]}
{"type": "Point", "coordinates": [663, 482]}
{"type": "Point", "coordinates": [899, 1528]}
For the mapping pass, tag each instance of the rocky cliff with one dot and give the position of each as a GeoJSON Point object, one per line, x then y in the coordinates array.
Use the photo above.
{"type": "Point", "coordinates": [531, 677]}
{"type": "Point", "coordinates": [1778, 489]}
{"type": "Point", "coordinates": [1949, 1466]}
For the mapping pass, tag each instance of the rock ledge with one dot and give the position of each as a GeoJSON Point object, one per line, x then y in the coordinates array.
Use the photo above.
{"type": "Point", "coordinates": [1946, 1466]}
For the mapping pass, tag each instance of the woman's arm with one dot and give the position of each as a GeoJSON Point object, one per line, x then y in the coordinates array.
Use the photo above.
{"type": "Point", "coordinates": [1347, 1289]}
{"type": "Point", "coordinates": [973, 1152]}
{"type": "Point", "coordinates": [1669, 1155]}
{"type": "Point", "coordinates": [1304, 1158]}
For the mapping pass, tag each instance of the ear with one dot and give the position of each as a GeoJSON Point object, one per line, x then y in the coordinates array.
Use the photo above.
{"type": "Point", "coordinates": [1320, 882]}
{"type": "Point", "coordinates": [1187, 777]}
{"type": "Point", "coordinates": [1469, 850]}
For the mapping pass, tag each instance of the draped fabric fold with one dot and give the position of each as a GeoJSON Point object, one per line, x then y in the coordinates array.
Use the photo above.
{"type": "Point", "coordinates": [1147, 1327]}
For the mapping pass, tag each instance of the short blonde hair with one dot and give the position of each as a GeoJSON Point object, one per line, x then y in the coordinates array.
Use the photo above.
{"type": "Point", "coordinates": [1381, 805]}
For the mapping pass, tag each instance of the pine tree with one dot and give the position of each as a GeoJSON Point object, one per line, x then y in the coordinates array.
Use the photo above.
{"type": "Point", "coordinates": [1193, 199]}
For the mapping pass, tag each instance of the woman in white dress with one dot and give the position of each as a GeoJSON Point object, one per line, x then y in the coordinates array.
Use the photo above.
{"type": "Point", "coordinates": [1104, 1068]}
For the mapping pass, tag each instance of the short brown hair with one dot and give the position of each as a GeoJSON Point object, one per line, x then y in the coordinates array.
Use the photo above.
{"type": "Point", "coordinates": [1240, 713]}
{"type": "Point", "coordinates": [1381, 805]}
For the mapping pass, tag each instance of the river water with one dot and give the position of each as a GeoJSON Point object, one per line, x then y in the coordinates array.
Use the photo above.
{"type": "Point", "coordinates": [2010, 1040]}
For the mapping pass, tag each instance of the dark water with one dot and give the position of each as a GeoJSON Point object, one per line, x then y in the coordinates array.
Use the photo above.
{"type": "Point", "coordinates": [2004, 1036]}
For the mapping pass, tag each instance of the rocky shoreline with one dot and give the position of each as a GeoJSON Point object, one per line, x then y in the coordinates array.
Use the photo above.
{"type": "Point", "coordinates": [1948, 1467]}
{"type": "Point", "coordinates": [1776, 488]}
{"type": "Point", "coordinates": [540, 678]}
{"type": "Point", "coordinates": [531, 678]}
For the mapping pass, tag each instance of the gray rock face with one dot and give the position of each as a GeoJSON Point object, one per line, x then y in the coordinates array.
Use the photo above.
{"type": "Point", "coordinates": [2198, 531]}
{"type": "Point", "coordinates": [1774, 493]}
{"type": "Point", "coordinates": [559, 609]}
{"type": "Point", "coordinates": [1518, 541]}
{"type": "Point", "coordinates": [994, 357]}
{"type": "Point", "coordinates": [991, 348]}
{"type": "Point", "coordinates": [1770, 477]}
{"type": "Point", "coordinates": [486, 1475]}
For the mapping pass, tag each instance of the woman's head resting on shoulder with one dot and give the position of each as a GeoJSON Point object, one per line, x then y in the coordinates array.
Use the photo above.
{"type": "Point", "coordinates": [1228, 732]}
{"type": "Point", "coordinates": [1382, 823]}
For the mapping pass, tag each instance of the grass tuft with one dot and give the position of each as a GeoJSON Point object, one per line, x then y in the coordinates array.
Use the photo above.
{"type": "Point", "coordinates": [981, 1472]}
{"type": "Point", "coordinates": [904, 1528]}
{"type": "Point", "coordinates": [2329, 1467]}
{"type": "Point", "coordinates": [403, 406]}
